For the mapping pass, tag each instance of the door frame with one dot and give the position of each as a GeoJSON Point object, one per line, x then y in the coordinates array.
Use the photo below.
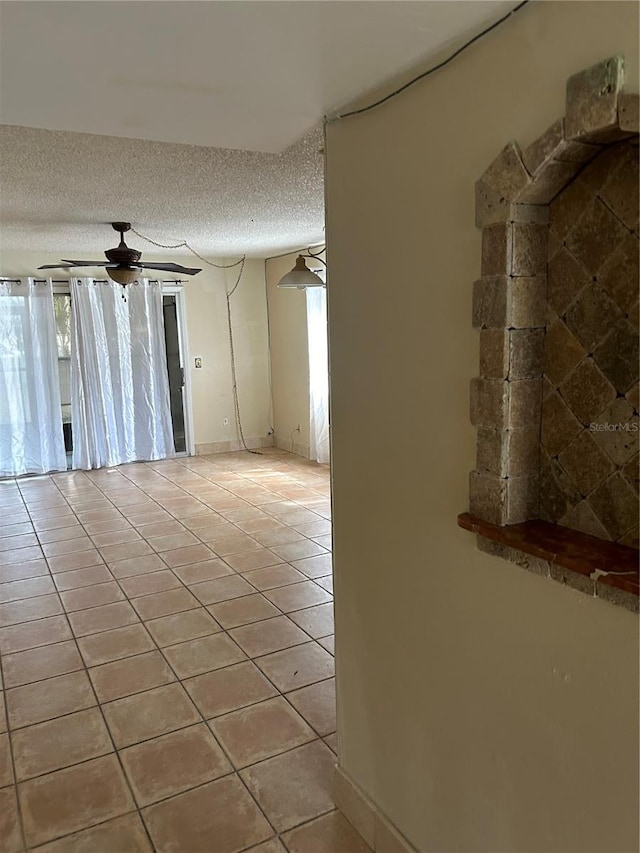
{"type": "Point", "coordinates": [175, 288]}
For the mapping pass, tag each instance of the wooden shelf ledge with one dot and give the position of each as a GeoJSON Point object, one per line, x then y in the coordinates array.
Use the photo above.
{"type": "Point", "coordinates": [594, 566]}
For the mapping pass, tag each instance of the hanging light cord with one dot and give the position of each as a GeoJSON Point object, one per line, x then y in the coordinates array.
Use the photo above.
{"type": "Point", "coordinates": [185, 245]}
{"type": "Point", "coordinates": [435, 68]}
{"type": "Point", "coordinates": [234, 380]}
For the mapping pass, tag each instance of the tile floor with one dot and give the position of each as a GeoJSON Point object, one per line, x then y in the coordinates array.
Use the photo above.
{"type": "Point", "coordinates": [166, 639]}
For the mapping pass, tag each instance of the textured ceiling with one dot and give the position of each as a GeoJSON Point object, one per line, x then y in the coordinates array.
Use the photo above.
{"type": "Point", "coordinates": [192, 120]}
{"type": "Point", "coordinates": [59, 191]}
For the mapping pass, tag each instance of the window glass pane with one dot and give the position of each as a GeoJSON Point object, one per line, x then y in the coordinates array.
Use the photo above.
{"type": "Point", "coordinates": [62, 310]}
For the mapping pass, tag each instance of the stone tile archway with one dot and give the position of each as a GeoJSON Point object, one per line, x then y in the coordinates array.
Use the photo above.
{"type": "Point", "coordinates": [551, 339]}
{"type": "Point", "coordinates": [510, 303]}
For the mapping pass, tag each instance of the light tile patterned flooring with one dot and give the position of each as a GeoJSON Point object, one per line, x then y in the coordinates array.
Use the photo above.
{"type": "Point", "coordinates": [166, 639]}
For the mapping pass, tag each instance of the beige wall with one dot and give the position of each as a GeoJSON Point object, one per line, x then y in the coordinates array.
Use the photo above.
{"type": "Point", "coordinates": [211, 385]}
{"type": "Point", "coordinates": [481, 708]}
{"type": "Point", "coordinates": [289, 358]}
{"type": "Point", "coordinates": [208, 338]}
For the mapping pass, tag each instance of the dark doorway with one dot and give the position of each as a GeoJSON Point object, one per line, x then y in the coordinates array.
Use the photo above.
{"type": "Point", "coordinates": [175, 371]}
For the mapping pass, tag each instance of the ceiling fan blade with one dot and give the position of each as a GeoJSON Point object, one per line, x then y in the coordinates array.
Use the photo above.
{"type": "Point", "coordinates": [55, 267]}
{"type": "Point", "coordinates": [86, 263]}
{"type": "Point", "coordinates": [171, 268]}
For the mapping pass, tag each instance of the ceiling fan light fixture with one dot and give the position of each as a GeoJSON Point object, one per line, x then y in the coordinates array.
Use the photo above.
{"type": "Point", "coordinates": [301, 276]}
{"type": "Point", "coordinates": [122, 275]}
{"type": "Point", "coordinates": [123, 263]}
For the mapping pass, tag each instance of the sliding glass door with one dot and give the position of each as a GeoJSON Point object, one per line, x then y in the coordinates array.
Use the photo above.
{"type": "Point", "coordinates": [175, 370]}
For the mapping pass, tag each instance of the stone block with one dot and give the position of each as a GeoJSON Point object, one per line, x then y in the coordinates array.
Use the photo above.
{"type": "Point", "coordinates": [491, 452]}
{"type": "Point", "coordinates": [620, 190]}
{"type": "Point", "coordinates": [526, 353]}
{"type": "Point", "coordinates": [491, 205]}
{"type": "Point", "coordinates": [496, 249]}
{"type": "Point", "coordinates": [581, 517]}
{"type": "Point", "coordinates": [585, 463]}
{"type": "Point", "coordinates": [559, 424]}
{"type": "Point", "coordinates": [524, 403]}
{"type": "Point", "coordinates": [562, 352]}
{"type": "Point", "coordinates": [490, 546]}
{"type": "Point", "coordinates": [568, 207]}
{"type": "Point", "coordinates": [620, 273]}
{"type": "Point", "coordinates": [507, 174]}
{"type": "Point", "coordinates": [489, 403]}
{"type": "Point", "coordinates": [523, 499]}
{"type": "Point", "coordinates": [520, 558]}
{"type": "Point", "coordinates": [616, 504]}
{"type": "Point", "coordinates": [617, 431]}
{"type": "Point", "coordinates": [565, 279]}
{"type": "Point", "coordinates": [583, 583]}
{"type": "Point", "coordinates": [544, 148]}
{"type": "Point", "coordinates": [529, 249]}
{"type": "Point", "coordinates": [537, 213]}
{"type": "Point", "coordinates": [628, 112]}
{"type": "Point", "coordinates": [633, 315]}
{"type": "Point", "coordinates": [594, 175]}
{"type": "Point", "coordinates": [523, 452]}
{"type": "Point", "coordinates": [592, 101]}
{"type": "Point", "coordinates": [488, 497]}
{"type": "Point", "coordinates": [550, 180]}
{"type": "Point", "coordinates": [633, 398]}
{"type": "Point", "coordinates": [592, 316]}
{"type": "Point", "coordinates": [578, 152]}
{"type": "Point", "coordinates": [616, 596]}
{"type": "Point", "coordinates": [552, 145]}
{"type": "Point", "coordinates": [528, 302]}
{"type": "Point", "coordinates": [494, 353]}
{"type": "Point", "coordinates": [587, 391]}
{"type": "Point", "coordinates": [490, 302]}
{"type": "Point", "coordinates": [617, 356]}
{"type": "Point", "coordinates": [595, 235]}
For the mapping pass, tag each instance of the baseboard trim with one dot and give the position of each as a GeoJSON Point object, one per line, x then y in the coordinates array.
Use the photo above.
{"type": "Point", "coordinates": [363, 814]}
{"type": "Point", "coordinates": [234, 444]}
{"type": "Point", "coordinates": [292, 447]}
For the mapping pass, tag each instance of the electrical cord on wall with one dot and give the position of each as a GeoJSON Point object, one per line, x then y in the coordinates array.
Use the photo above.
{"type": "Point", "coordinates": [234, 382]}
{"type": "Point", "coordinates": [272, 431]}
{"type": "Point", "coordinates": [432, 70]}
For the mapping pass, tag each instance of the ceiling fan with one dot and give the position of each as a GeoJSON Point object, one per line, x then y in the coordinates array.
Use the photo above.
{"type": "Point", "coordinates": [123, 264]}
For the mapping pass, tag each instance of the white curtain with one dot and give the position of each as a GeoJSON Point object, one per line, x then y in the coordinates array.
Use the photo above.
{"type": "Point", "coordinates": [31, 438]}
{"type": "Point", "coordinates": [120, 410]}
{"type": "Point", "coordinates": [318, 373]}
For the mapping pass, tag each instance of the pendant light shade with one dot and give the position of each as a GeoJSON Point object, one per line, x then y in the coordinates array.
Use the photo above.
{"type": "Point", "coordinates": [301, 276]}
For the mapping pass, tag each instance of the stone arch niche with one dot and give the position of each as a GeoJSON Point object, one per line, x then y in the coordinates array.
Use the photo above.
{"type": "Point", "coordinates": [555, 404]}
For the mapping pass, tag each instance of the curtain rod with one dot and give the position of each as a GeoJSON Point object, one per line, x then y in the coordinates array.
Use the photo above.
{"type": "Point", "coordinates": [95, 280]}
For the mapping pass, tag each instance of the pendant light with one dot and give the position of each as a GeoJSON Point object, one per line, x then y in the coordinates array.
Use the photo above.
{"type": "Point", "coordinates": [301, 276]}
